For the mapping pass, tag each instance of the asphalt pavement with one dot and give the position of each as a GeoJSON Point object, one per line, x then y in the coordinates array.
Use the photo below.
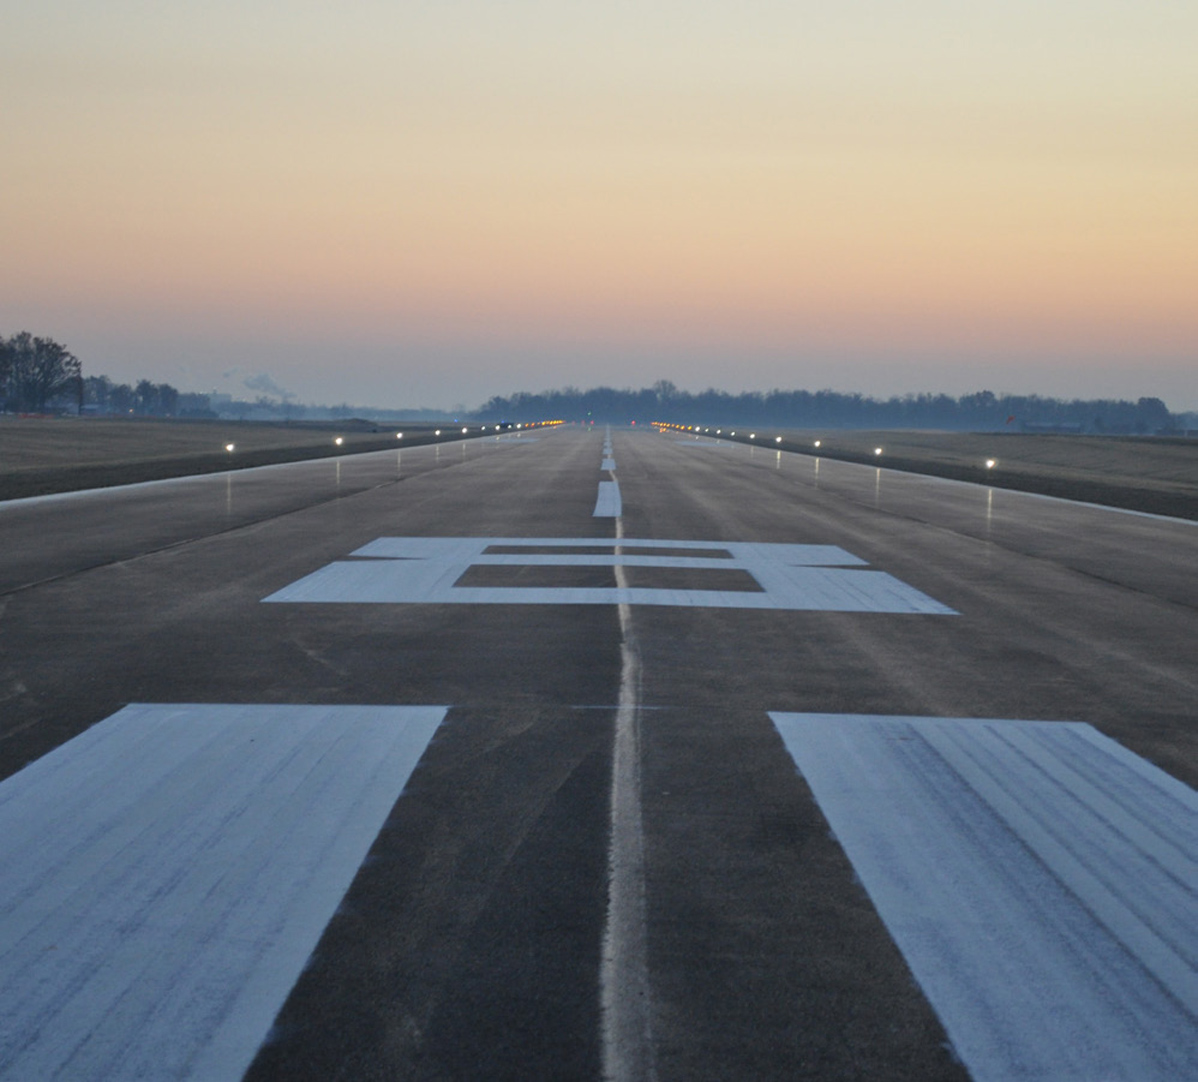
{"type": "Point", "coordinates": [727, 769]}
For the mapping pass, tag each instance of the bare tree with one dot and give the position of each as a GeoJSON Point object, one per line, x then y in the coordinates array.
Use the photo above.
{"type": "Point", "coordinates": [35, 371]}
{"type": "Point", "coordinates": [121, 398]}
{"type": "Point", "coordinates": [147, 396]}
{"type": "Point", "coordinates": [6, 353]}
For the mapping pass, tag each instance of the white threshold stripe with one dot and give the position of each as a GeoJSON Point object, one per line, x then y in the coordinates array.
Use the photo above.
{"type": "Point", "coordinates": [168, 872]}
{"type": "Point", "coordinates": [800, 589]}
{"type": "Point", "coordinates": [428, 570]}
{"type": "Point", "coordinates": [1039, 878]}
{"type": "Point", "coordinates": [474, 548]}
{"type": "Point", "coordinates": [571, 560]}
{"type": "Point", "coordinates": [607, 503]}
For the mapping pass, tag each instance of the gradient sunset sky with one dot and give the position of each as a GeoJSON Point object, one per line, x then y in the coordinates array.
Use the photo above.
{"type": "Point", "coordinates": [426, 203]}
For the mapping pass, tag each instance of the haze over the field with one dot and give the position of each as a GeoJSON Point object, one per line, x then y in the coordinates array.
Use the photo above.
{"type": "Point", "coordinates": [432, 203]}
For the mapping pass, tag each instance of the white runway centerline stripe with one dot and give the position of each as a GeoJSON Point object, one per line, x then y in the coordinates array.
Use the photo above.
{"type": "Point", "coordinates": [624, 990]}
{"type": "Point", "coordinates": [608, 464]}
{"type": "Point", "coordinates": [1039, 878]}
{"type": "Point", "coordinates": [168, 872]}
{"type": "Point", "coordinates": [422, 570]}
{"type": "Point", "coordinates": [607, 503]}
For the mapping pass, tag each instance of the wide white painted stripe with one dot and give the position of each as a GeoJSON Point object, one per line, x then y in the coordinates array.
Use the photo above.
{"type": "Point", "coordinates": [168, 872]}
{"type": "Point", "coordinates": [426, 569]}
{"type": "Point", "coordinates": [822, 589]}
{"type": "Point", "coordinates": [1040, 879]}
{"type": "Point", "coordinates": [473, 548]}
{"type": "Point", "coordinates": [608, 464]}
{"type": "Point", "coordinates": [607, 503]}
{"type": "Point", "coordinates": [607, 561]}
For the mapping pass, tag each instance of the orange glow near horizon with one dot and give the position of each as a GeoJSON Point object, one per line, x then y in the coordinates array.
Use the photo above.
{"type": "Point", "coordinates": [763, 179]}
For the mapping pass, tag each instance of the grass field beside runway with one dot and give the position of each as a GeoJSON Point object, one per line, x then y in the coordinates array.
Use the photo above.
{"type": "Point", "coordinates": [40, 455]}
{"type": "Point", "coordinates": [1153, 474]}
{"type": "Point", "coordinates": [43, 455]}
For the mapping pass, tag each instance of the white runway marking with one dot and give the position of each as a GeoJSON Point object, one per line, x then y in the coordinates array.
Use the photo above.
{"type": "Point", "coordinates": [607, 464]}
{"type": "Point", "coordinates": [625, 994]}
{"type": "Point", "coordinates": [1039, 878]}
{"type": "Point", "coordinates": [425, 569]}
{"type": "Point", "coordinates": [168, 872]}
{"type": "Point", "coordinates": [630, 548]}
{"type": "Point", "coordinates": [607, 503]}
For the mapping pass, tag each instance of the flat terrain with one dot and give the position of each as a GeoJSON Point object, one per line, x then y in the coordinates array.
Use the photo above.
{"type": "Point", "coordinates": [446, 762]}
{"type": "Point", "coordinates": [40, 443]}
{"type": "Point", "coordinates": [39, 456]}
{"type": "Point", "coordinates": [1155, 474]}
{"type": "Point", "coordinates": [63, 454]}
{"type": "Point", "coordinates": [1167, 463]}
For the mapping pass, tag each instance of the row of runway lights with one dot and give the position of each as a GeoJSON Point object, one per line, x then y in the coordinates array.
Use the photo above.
{"type": "Point", "coordinates": [990, 463]}
{"type": "Point", "coordinates": [339, 441]}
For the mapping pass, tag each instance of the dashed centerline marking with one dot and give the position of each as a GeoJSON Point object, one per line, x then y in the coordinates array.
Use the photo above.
{"type": "Point", "coordinates": [168, 872]}
{"type": "Point", "coordinates": [607, 503]}
{"type": "Point", "coordinates": [1040, 879]}
{"type": "Point", "coordinates": [416, 570]}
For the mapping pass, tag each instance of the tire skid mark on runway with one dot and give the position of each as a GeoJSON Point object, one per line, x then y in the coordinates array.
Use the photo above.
{"type": "Point", "coordinates": [169, 871]}
{"type": "Point", "coordinates": [626, 1003]}
{"type": "Point", "coordinates": [1040, 879]}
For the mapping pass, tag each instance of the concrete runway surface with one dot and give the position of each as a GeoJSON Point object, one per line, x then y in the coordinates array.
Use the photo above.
{"type": "Point", "coordinates": [595, 754]}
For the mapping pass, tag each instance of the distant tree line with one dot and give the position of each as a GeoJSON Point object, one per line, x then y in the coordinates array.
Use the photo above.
{"type": "Point", "coordinates": [36, 373]}
{"type": "Point", "coordinates": [40, 375]}
{"type": "Point", "coordinates": [831, 409]}
{"type": "Point", "coordinates": [143, 399]}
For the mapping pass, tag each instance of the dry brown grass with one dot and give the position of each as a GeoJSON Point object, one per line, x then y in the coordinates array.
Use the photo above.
{"type": "Point", "coordinates": [60, 454]}
{"type": "Point", "coordinates": [43, 443]}
{"type": "Point", "coordinates": [1158, 463]}
{"type": "Point", "coordinates": [1153, 474]}
{"type": "Point", "coordinates": [44, 455]}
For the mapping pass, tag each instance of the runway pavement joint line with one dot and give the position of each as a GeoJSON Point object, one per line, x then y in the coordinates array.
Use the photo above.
{"type": "Point", "coordinates": [625, 997]}
{"type": "Point", "coordinates": [1039, 878]}
{"type": "Point", "coordinates": [168, 872]}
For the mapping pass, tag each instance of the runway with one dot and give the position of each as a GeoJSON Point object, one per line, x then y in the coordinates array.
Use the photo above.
{"type": "Point", "coordinates": [700, 761]}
